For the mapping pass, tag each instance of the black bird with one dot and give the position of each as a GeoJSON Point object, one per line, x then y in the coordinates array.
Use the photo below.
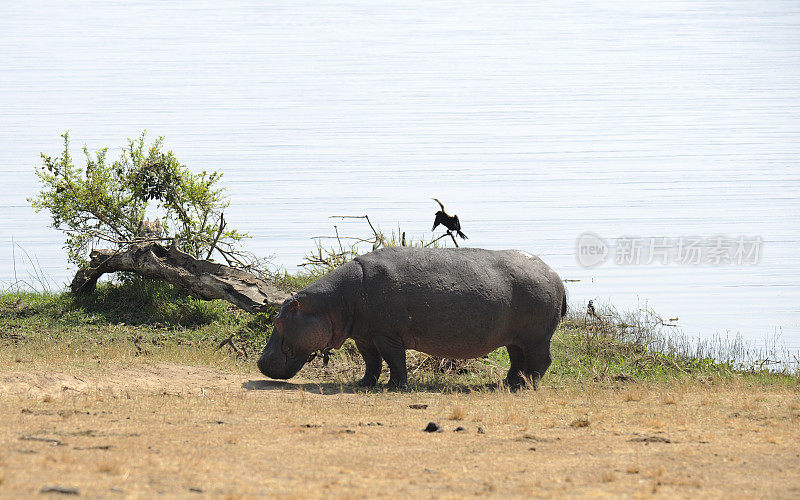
{"type": "Point", "coordinates": [451, 222]}
{"type": "Point", "coordinates": [591, 311]}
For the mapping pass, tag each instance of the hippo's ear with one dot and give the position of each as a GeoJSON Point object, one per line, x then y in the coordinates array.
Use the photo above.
{"type": "Point", "coordinates": [289, 307]}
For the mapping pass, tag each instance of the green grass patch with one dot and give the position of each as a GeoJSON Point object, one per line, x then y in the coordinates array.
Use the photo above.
{"type": "Point", "coordinates": [141, 318]}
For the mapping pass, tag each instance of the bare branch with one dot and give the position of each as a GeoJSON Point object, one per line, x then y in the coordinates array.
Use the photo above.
{"type": "Point", "coordinates": [100, 236]}
{"type": "Point", "coordinates": [453, 237]}
{"type": "Point", "coordinates": [219, 233]}
{"type": "Point", "coordinates": [366, 217]}
{"type": "Point", "coordinates": [435, 240]}
{"type": "Point", "coordinates": [229, 341]}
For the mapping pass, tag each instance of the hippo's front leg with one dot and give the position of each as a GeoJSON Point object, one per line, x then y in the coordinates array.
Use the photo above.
{"type": "Point", "coordinates": [394, 352]}
{"type": "Point", "coordinates": [372, 361]}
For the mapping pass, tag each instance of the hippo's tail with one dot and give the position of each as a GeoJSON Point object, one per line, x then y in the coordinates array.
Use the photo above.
{"type": "Point", "coordinates": [564, 305]}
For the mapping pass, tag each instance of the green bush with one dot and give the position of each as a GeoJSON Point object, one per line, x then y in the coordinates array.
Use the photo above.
{"type": "Point", "coordinates": [108, 202]}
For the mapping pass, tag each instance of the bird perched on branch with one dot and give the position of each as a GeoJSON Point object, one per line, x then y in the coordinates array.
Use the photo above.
{"type": "Point", "coordinates": [451, 222]}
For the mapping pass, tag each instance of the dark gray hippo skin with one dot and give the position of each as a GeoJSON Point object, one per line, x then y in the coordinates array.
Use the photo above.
{"type": "Point", "coordinates": [449, 302]}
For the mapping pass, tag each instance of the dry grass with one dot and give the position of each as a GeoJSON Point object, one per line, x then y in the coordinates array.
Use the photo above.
{"type": "Point", "coordinates": [143, 427]}
{"type": "Point", "coordinates": [153, 408]}
{"type": "Point", "coordinates": [457, 413]}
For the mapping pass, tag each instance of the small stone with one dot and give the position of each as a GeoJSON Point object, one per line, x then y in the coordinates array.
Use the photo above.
{"type": "Point", "coordinates": [196, 490]}
{"type": "Point", "coordinates": [433, 427]}
{"type": "Point", "coordinates": [481, 431]}
{"type": "Point", "coordinates": [59, 489]}
{"type": "Point", "coordinates": [459, 429]}
{"type": "Point", "coordinates": [418, 406]}
{"type": "Point", "coordinates": [650, 439]}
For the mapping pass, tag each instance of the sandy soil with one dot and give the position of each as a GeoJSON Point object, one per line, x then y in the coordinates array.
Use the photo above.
{"type": "Point", "coordinates": [183, 431]}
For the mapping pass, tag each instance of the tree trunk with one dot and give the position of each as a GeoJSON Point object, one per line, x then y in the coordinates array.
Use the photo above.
{"type": "Point", "coordinates": [201, 278]}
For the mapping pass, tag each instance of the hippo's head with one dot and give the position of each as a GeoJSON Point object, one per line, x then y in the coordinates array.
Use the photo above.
{"type": "Point", "coordinates": [298, 332]}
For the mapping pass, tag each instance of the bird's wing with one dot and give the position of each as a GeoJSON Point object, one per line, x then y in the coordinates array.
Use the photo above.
{"type": "Point", "coordinates": [456, 224]}
{"type": "Point", "coordinates": [437, 221]}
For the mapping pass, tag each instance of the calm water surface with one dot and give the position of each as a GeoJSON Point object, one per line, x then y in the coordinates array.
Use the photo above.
{"type": "Point", "coordinates": [535, 123]}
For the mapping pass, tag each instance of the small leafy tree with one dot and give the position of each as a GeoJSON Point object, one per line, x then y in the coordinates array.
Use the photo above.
{"type": "Point", "coordinates": [107, 202]}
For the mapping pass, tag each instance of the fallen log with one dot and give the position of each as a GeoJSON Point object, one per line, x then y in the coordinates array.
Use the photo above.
{"type": "Point", "coordinates": [203, 279]}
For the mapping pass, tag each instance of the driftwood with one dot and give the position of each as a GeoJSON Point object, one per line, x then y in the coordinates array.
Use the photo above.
{"type": "Point", "coordinates": [201, 278]}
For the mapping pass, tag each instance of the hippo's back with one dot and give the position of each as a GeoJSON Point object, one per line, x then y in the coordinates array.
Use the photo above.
{"type": "Point", "coordinates": [457, 302]}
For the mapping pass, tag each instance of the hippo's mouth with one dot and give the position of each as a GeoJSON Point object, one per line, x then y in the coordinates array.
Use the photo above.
{"type": "Point", "coordinates": [274, 363]}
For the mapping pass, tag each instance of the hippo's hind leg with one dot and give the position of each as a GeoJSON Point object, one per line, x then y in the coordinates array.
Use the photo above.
{"type": "Point", "coordinates": [537, 361]}
{"type": "Point", "coordinates": [530, 359]}
{"type": "Point", "coordinates": [514, 378]}
{"type": "Point", "coordinates": [394, 352]}
{"type": "Point", "coordinates": [537, 358]}
{"type": "Point", "coordinates": [373, 362]}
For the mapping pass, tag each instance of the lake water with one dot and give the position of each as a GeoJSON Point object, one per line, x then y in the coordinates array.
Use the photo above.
{"type": "Point", "coordinates": [534, 122]}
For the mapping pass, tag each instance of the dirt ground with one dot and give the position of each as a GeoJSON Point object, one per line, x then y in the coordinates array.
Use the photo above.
{"type": "Point", "coordinates": [188, 431]}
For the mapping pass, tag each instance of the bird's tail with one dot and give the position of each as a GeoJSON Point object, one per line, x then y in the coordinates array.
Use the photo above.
{"type": "Point", "coordinates": [463, 236]}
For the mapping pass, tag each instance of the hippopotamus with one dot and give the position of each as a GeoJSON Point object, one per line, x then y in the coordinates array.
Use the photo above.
{"type": "Point", "coordinates": [457, 303]}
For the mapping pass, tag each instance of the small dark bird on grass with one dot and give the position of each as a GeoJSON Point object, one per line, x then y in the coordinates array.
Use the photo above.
{"type": "Point", "coordinates": [451, 222]}
{"type": "Point", "coordinates": [590, 310]}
